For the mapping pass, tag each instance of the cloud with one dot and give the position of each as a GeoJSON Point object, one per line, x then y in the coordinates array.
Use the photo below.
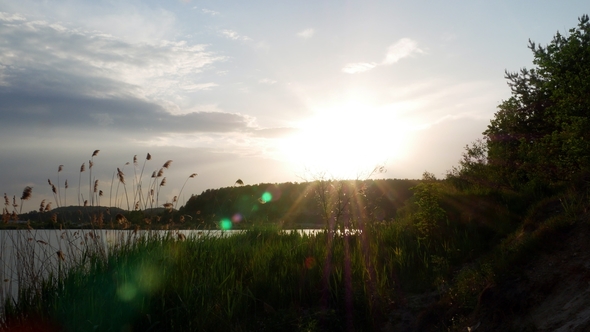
{"type": "Point", "coordinates": [103, 65]}
{"type": "Point", "coordinates": [210, 12]}
{"type": "Point", "coordinates": [307, 33]}
{"type": "Point", "coordinates": [196, 87]}
{"type": "Point", "coordinates": [56, 78]}
{"type": "Point", "coordinates": [402, 49]}
{"type": "Point", "coordinates": [267, 81]}
{"type": "Point", "coordinates": [405, 47]}
{"type": "Point", "coordinates": [359, 67]}
{"type": "Point", "coordinates": [231, 34]}
{"type": "Point", "coordinates": [275, 132]}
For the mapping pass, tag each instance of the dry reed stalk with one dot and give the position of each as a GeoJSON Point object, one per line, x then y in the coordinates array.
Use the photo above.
{"type": "Point", "coordinates": [151, 190]}
{"type": "Point", "coordinates": [66, 193]}
{"type": "Point", "coordinates": [82, 169]}
{"type": "Point", "coordinates": [184, 184]}
{"type": "Point", "coordinates": [121, 177]}
{"type": "Point", "coordinates": [59, 169]}
{"type": "Point", "coordinates": [162, 184]}
{"type": "Point", "coordinates": [14, 205]}
{"type": "Point", "coordinates": [27, 193]}
{"type": "Point", "coordinates": [90, 164]}
{"type": "Point", "coordinates": [139, 183]}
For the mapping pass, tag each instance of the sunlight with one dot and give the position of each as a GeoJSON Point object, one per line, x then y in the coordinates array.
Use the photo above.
{"type": "Point", "coordinates": [347, 140]}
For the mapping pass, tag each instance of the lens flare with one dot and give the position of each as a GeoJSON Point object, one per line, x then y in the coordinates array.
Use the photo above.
{"type": "Point", "coordinates": [225, 224]}
{"type": "Point", "coordinates": [127, 292]}
{"type": "Point", "coordinates": [236, 217]}
{"type": "Point", "coordinates": [267, 197]}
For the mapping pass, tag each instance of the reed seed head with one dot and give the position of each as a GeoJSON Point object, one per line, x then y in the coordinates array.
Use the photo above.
{"type": "Point", "coordinates": [148, 157]}
{"type": "Point", "coordinates": [27, 192]}
{"type": "Point", "coordinates": [167, 164]}
{"type": "Point", "coordinates": [83, 167]}
{"type": "Point", "coordinates": [42, 206]}
{"type": "Point", "coordinates": [53, 189]}
{"type": "Point", "coordinates": [49, 181]}
{"type": "Point", "coordinates": [48, 207]}
{"type": "Point", "coordinates": [163, 183]}
{"type": "Point", "coordinates": [85, 202]}
{"type": "Point", "coordinates": [135, 160]}
{"type": "Point", "coordinates": [90, 164]}
{"type": "Point", "coordinates": [60, 168]}
{"type": "Point", "coordinates": [121, 176]}
{"type": "Point", "coordinates": [100, 193]}
{"type": "Point", "coordinates": [66, 185]}
{"type": "Point", "coordinates": [193, 175]}
{"type": "Point", "coordinates": [95, 152]}
{"type": "Point", "coordinates": [95, 186]}
{"type": "Point", "coordinates": [160, 172]}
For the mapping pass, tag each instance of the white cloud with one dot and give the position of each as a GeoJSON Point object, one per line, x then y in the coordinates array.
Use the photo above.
{"type": "Point", "coordinates": [403, 48]}
{"type": "Point", "coordinates": [202, 86]}
{"type": "Point", "coordinates": [307, 33]}
{"type": "Point", "coordinates": [108, 66]}
{"type": "Point", "coordinates": [359, 67]}
{"type": "Point", "coordinates": [231, 34]}
{"type": "Point", "coordinates": [11, 17]}
{"type": "Point", "coordinates": [267, 81]}
{"type": "Point", "coordinates": [209, 12]}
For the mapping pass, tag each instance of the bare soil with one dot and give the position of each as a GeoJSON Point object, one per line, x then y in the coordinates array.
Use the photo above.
{"type": "Point", "coordinates": [552, 292]}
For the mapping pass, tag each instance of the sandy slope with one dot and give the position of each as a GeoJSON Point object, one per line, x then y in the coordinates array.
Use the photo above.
{"type": "Point", "coordinates": [553, 293]}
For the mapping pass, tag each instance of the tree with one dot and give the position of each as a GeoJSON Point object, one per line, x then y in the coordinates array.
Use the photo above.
{"type": "Point", "coordinates": [542, 132]}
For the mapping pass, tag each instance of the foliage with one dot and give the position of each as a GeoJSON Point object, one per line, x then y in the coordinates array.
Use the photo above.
{"type": "Point", "coordinates": [430, 217]}
{"type": "Point", "coordinates": [542, 133]}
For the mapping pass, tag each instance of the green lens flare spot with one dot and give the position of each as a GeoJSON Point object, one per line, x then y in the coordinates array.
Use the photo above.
{"type": "Point", "coordinates": [267, 197]}
{"type": "Point", "coordinates": [127, 292]}
{"type": "Point", "coordinates": [225, 224]}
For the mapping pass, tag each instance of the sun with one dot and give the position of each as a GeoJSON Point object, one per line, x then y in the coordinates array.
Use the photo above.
{"type": "Point", "coordinates": [346, 141]}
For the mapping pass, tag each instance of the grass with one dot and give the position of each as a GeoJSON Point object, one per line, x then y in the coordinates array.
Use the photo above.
{"type": "Point", "coordinates": [262, 279]}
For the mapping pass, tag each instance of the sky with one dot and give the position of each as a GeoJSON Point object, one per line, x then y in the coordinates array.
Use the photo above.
{"type": "Point", "coordinates": [262, 91]}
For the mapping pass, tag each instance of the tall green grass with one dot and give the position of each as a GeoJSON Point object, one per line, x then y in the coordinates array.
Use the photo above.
{"type": "Point", "coordinates": [261, 279]}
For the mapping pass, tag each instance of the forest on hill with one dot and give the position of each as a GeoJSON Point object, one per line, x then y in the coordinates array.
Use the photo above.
{"type": "Point", "coordinates": [297, 205]}
{"type": "Point", "coordinates": [292, 205]}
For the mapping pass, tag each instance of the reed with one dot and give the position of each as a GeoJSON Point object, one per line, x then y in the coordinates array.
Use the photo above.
{"type": "Point", "coordinates": [58, 201]}
{"type": "Point", "coordinates": [82, 169]}
{"type": "Point", "coordinates": [90, 164]}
